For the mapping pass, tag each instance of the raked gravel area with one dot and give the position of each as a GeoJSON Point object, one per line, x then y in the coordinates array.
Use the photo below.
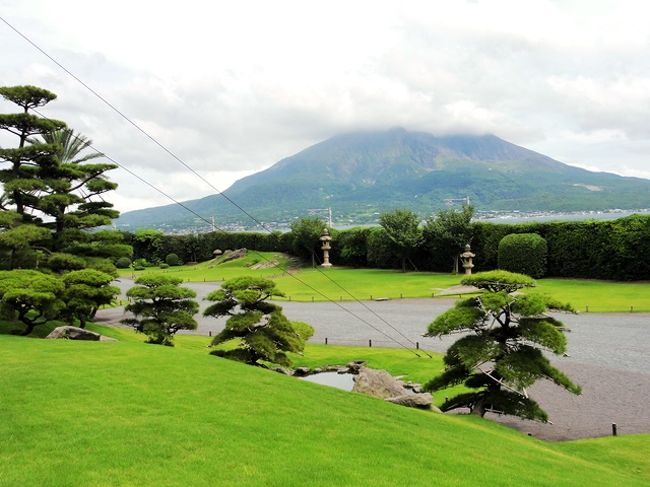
{"type": "Point", "coordinates": [609, 356]}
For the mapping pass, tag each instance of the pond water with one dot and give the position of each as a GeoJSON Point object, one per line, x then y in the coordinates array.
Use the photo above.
{"type": "Point", "coordinates": [332, 379]}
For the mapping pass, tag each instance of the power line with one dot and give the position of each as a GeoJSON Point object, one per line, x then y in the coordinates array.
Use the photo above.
{"type": "Point", "coordinates": [140, 178]}
{"type": "Point", "coordinates": [191, 169]}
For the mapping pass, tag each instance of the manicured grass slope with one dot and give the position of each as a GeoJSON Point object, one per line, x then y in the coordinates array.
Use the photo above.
{"type": "Point", "coordinates": [126, 413]}
{"type": "Point", "coordinates": [598, 296]}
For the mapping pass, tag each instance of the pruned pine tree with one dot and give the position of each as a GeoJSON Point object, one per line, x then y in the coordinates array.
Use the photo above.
{"type": "Point", "coordinates": [21, 166]}
{"type": "Point", "coordinates": [264, 333]}
{"type": "Point", "coordinates": [85, 291]}
{"type": "Point", "coordinates": [161, 308]}
{"type": "Point", "coordinates": [501, 354]}
{"type": "Point", "coordinates": [30, 297]}
{"type": "Point", "coordinates": [72, 194]}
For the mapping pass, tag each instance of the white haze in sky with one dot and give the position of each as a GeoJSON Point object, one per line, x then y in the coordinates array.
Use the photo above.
{"type": "Point", "coordinates": [232, 87]}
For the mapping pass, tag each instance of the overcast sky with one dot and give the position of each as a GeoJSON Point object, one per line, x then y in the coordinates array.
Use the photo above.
{"type": "Point", "coordinates": [232, 87]}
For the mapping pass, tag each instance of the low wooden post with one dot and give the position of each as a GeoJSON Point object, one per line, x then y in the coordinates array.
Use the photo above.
{"type": "Point", "coordinates": [325, 340]}
{"type": "Point", "coordinates": [614, 429]}
{"type": "Point", "coordinates": [370, 343]}
{"type": "Point", "coordinates": [631, 309]}
{"type": "Point", "coordinates": [400, 296]}
{"type": "Point", "coordinates": [586, 309]}
{"type": "Point", "coordinates": [210, 333]}
{"type": "Point", "coordinates": [417, 345]}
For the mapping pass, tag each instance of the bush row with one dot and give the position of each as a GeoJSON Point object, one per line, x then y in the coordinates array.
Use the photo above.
{"type": "Point", "coordinates": [615, 249]}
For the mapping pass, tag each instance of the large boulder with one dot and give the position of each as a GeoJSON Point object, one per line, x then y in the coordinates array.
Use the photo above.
{"type": "Point", "coordinates": [413, 400]}
{"type": "Point", "coordinates": [378, 383]}
{"type": "Point", "coordinates": [73, 333]}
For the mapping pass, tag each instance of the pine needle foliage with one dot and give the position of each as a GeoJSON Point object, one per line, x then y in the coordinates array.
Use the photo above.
{"type": "Point", "coordinates": [161, 308]}
{"type": "Point", "coordinates": [264, 332]}
{"type": "Point", "coordinates": [501, 354]}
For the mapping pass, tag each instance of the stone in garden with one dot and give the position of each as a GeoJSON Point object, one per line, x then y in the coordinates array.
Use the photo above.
{"type": "Point", "coordinates": [217, 252]}
{"type": "Point", "coordinates": [413, 400]}
{"type": "Point", "coordinates": [283, 370]}
{"type": "Point", "coordinates": [302, 371]}
{"type": "Point", "coordinates": [353, 367]}
{"type": "Point", "coordinates": [378, 383]}
{"type": "Point", "coordinates": [467, 257]}
{"type": "Point", "coordinates": [73, 333]}
{"type": "Point", "coordinates": [326, 247]}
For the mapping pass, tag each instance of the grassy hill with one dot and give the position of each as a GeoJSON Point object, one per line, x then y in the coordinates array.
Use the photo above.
{"type": "Point", "coordinates": [127, 413]}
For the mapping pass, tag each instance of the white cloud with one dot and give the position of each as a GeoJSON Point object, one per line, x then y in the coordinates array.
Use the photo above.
{"type": "Point", "coordinates": [232, 87]}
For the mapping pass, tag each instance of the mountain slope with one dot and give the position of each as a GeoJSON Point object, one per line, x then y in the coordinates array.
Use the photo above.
{"type": "Point", "coordinates": [362, 173]}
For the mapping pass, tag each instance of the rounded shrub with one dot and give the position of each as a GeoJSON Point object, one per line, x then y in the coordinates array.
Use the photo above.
{"type": "Point", "coordinates": [164, 266]}
{"type": "Point", "coordinates": [123, 263]}
{"type": "Point", "coordinates": [172, 259]}
{"type": "Point", "coordinates": [524, 253]}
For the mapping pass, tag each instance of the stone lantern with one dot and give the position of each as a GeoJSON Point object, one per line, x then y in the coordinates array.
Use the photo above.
{"type": "Point", "coordinates": [466, 257]}
{"type": "Point", "coordinates": [326, 247]}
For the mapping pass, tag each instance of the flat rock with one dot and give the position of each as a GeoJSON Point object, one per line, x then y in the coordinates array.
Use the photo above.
{"type": "Point", "coordinates": [378, 383]}
{"type": "Point", "coordinates": [413, 400]}
{"type": "Point", "coordinates": [302, 371]}
{"type": "Point", "coordinates": [73, 333]}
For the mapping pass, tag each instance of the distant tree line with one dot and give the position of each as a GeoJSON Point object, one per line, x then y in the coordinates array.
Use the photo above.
{"type": "Point", "coordinates": [615, 249]}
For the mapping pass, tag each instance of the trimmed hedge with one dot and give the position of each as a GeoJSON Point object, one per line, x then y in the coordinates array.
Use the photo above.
{"type": "Point", "coordinates": [613, 249]}
{"type": "Point", "coordinates": [123, 263]}
{"type": "Point", "coordinates": [523, 253]}
{"type": "Point", "coordinates": [172, 259]}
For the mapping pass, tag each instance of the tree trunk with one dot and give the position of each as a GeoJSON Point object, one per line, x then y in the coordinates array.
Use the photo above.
{"type": "Point", "coordinates": [455, 266]}
{"type": "Point", "coordinates": [479, 408]}
{"type": "Point", "coordinates": [403, 264]}
{"type": "Point", "coordinates": [28, 330]}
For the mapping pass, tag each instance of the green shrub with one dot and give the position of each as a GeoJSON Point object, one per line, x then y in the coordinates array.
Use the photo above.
{"type": "Point", "coordinates": [140, 263]}
{"type": "Point", "coordinates": [164, 266]}
{"type": "Point", "coordinates": [524, 253]}
{"type": "Point", "coordinates": [123, 263]}
{"type": "Point", "coordinates": [61, 262]}
{"type": "Point", "coordinates": [172, 260]}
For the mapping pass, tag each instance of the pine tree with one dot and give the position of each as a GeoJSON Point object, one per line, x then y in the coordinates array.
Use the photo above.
{"type": "Point", "coordinates": [501, 355]}
{"type": "Point", "coordinates": [22, 165]}
{"type": "Point", "coordinates": [161, 308]}
{"type": "Point", "coordinates": [264, 332]}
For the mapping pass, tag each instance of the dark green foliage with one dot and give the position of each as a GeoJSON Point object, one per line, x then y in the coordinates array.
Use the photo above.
{"type": "Point", "coordinates": [123, 263]}
{"type": "Point", "coordinates": [264, 332]}
{"type": "Point", "coordinates": [498, 280]}
{"type": "Point", "coordinates": [161, 307]}
{"type": "Point", "coordinates": [448, 232]}
{"type": "Point", "coordinates": [305, 237]}
{"type": "Point", "coordinates": [85, 291]}
{"type": "Point", "coordinates": [501, 357]}
{"type": "Point", "coordinates": [172, 260]}
{"type": "Point", "coordinates": [524, 253]}
{"type": "Point", "coordinates": [30, 297]}
{"type": "Point", "coordinates": [402, 228]}
{"type": "Point", "coordinates": [350, 246]}
{"type": "Point", "coordinates": [380, 251]}
{"type": "Point", "coordinates": [588, 249]}
{"type": "Point", "coordinates": [61, 262]}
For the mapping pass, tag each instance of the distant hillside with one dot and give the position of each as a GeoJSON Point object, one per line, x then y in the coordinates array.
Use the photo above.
{"type": "Point", "coordinates": [363, 173]}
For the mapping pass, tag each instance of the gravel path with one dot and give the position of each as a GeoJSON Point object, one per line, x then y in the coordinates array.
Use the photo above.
{"type": "Point", "coordinates": [609, 357]}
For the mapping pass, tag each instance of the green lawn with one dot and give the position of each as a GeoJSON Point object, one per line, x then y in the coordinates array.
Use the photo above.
{"type": "Point", "coordinates": [127, 413]}
{"type": "Point", "coordinates": [338, 283]}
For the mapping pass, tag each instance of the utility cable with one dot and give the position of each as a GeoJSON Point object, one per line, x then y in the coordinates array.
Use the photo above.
{"type": "Point", "coordinates": [188, 167]}
{"type": "Point", "coordinates": [283, 269]}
